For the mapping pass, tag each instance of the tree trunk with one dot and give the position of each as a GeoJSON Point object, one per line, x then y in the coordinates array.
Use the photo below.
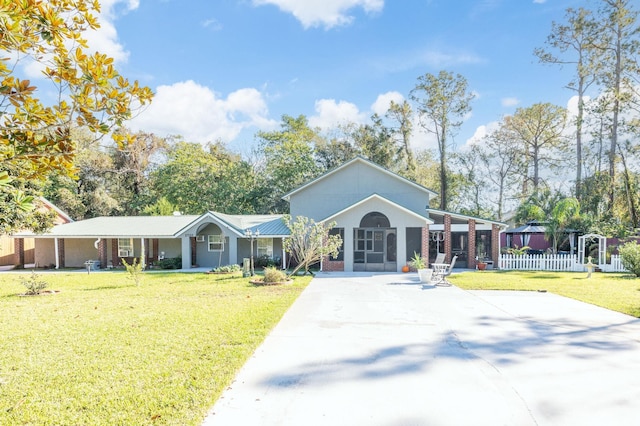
{"type": "Point", "coordinates": [616, 110]}
{"type": "Point", "coordinates": [633, 211]}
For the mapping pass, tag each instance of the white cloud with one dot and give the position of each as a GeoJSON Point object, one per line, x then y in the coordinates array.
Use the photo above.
{"type": "Point", "coordinates": [199, 115]}
{"type": "Point", "coordinates": [481, 132]}
{"type": "Point", "coordinates": [330, 114]}
{"type": "Point", "coordinates": [509, 102]}
{"type": "Point", "coordinates": [105, 38]}
{"type": "Point", "coordinates": [212, 24]}
{"type": "Point", "coordinates": [323, 13]}
{"type": "Point", "coordinates": [381, 105]}
{"type": "Point", "coordinates": [539, 1]}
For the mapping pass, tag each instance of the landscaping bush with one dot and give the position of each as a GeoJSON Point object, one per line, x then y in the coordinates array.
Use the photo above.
{"type": "Point", "coordinates": [134, 269]}
{"type": "Point", "coordinates": [274, 275]}
{"type": "Point", "coordinates": [227, 269]}
{"type": "Point", "coordinates": [34, 284]}
{"type": "Point", "coordinates": [265, 262]}
{"type": "Point", "coordinates": [170, 263]}
{"type": "Point", "coordinates": [630, 257]}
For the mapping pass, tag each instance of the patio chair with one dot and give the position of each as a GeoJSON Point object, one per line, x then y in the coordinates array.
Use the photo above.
{"type": "Point", "coordinates": [440, 274]}
{"type": "Point", "coordinates": [439, 258]}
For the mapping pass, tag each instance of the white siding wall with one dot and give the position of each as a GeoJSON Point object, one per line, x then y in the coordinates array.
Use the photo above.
{"type": "Point", "coordinates": [397, 218]}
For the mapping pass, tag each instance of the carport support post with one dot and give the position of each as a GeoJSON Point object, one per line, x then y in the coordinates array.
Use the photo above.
{"type": "Point", "coordinates": [186, 252]}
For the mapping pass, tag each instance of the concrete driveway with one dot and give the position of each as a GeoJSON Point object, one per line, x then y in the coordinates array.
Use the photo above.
{"type": "Point", "coordinates": [363, 349]}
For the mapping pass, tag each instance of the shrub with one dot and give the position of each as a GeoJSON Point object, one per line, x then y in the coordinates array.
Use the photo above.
{"type": "Point", "coordinates": [274, 275]}
{"type": "Point", "coordinates": [34, 284]}
{"type": "Point", "coordinates": [170, 263]}
{"type": "Point", "coordinates": [134, 270]}
{"type": "Point", "coordinates": [227, 269]}
{"type": "Point", "coordinates": [265, 262]}
{"type": "Point", "coordinates": [630, 257]}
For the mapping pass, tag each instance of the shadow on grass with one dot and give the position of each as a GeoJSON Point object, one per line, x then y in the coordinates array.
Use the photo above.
{"type": "Point", "coordinates": [105, 287]}
{"type": "Point", "coordinates": [540, 276]}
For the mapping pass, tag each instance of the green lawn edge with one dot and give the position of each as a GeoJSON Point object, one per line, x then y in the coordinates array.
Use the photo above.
{"type": "Point", "coordinates": [104, 351]}
{"type": "Point", "coordinates": [616, 291]}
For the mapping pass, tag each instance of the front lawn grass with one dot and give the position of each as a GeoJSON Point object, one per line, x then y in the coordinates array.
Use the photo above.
{"type": "Point", "coordinates": [616, 291]}
{"type": "Point", "coordinates": [104, 351]}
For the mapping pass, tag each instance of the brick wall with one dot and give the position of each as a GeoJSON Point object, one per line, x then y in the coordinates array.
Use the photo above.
{"type": "Point", "coordinates": [425, 244]}
{"type": "Point", "coordinates": [495, 244]}
{"type": "Point", "coordinates": [102, 253]}
{"type": "Point", "coordinates": [447, 238]}
{"type": "Point", "coordinates": [61, 255]}
{"type": "Point", "coordinates": [156, 244]}
{"type": "Point", "coordinates": [332, 265]}
{"type": "Point", "coordinates": [114, 252]}
{"type": "Point", "coordinates": [471, 261]}
{"type": "Point", "coordinates": [18, 251]}
{"type": "Point", "coordinates": [193, 251]}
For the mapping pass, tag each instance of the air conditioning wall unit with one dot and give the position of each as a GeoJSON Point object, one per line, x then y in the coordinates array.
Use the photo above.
{"type": "Point", "coordinates": [123, 253]}
{"type": "Point", "coordinates": [200, 238]}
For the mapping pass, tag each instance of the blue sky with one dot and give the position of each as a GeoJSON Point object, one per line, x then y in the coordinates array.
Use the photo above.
{"type": "Point", "coordinates": [225, 69]}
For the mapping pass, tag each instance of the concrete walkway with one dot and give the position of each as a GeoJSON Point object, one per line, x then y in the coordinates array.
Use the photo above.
{"type": "Point", "coordinates": [362, 349]}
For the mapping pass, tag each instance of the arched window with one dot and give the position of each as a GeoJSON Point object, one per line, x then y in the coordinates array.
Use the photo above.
{"type": "Point", "coordinates": [375, 220]}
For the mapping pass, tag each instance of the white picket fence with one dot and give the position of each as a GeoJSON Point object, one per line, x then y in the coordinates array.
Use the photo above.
{"type": "Point", "coordinates": [552, 262]}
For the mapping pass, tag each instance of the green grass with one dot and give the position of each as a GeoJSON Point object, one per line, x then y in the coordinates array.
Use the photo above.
{"type": "Point", "coordinates": [615, 291]}
{"type": "Point", "coordinates": [103, 351]}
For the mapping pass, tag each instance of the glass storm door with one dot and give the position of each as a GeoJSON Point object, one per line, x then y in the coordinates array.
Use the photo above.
{"type": "Point", "coordinates": [374, 249]}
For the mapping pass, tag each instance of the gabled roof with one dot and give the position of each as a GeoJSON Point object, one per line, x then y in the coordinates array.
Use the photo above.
{"type": "Point", "coordinates": [362, 160]}
{"type": "Point", "coordinates": [270, 225]}
{"type": "Point", "coordinates": [63, 217]}
{"type": "Point", "coordinates": [384, 200]}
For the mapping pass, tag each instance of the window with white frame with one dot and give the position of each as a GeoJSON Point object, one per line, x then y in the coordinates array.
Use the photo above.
{"type": "Point", "coordinates": [265, 247]}
{"type": "Point", "coordinates": [125, 247]}
{"type": "Point", "coordinates": [215, 242]}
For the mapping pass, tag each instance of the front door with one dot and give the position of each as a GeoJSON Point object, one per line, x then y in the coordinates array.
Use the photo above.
{"type": "Point", "coordinates": [374, 249]}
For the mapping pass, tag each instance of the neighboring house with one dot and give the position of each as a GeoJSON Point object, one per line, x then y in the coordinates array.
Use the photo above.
{"type": "Point", "coordinates": [382, 218]}
{"type": "Point", "coordinates": [532, 235]}
{"type": "Point", "coordinates": [21, 251]}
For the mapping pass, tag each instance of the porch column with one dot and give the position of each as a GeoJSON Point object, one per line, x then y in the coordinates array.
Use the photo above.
{"type": "Point", "coordinates": [18, 251]}
{"type": "Point", "coordinates": [186, 252]}
{"type": "Point", "coordinates": [60, 258]}
{"type": "Point", "coordinates": [56, 252]}
{"type": "Point", "coordinates": [102, 253]}
{"type": "Point", "coordinates": [447, 238]}
{"type": "Point", "coordinates": [194, 252]}
{"type": "Point", "coordinates": [115, 259]}
{"type": "Point", "coordinates": [425, 244]}
{"type": "Point", "coordinates": [472, 245]}
{"type": "Point", "coordinates": [495, 244]}
{"type": "Point", "coordinates": [284, 256]}
{"type": "Point", "coordinates": [233, 250]}
{"type": "Point", "coordinates": [155, 244]}
{"type": "Point", "coordinates": [143, 253]}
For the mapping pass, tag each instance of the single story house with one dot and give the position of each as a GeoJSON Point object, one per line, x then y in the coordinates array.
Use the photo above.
{"type": "Point", "coordinates": [21, 251]}
{"type": "Point", "coordinates": [383, 219]}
